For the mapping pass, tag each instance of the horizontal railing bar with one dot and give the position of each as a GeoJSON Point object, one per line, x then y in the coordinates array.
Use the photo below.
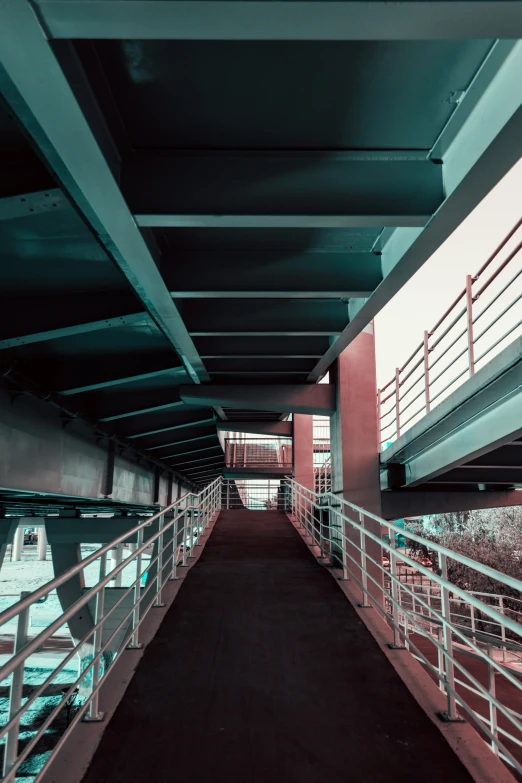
{"type": "Point", "coordinates": [480, 567]}
{"type": "Point", "coordinates": [37, 641]}
{"type": "Point", "coordinates": [448, 348]}
{"type": "Point", "coordinates": [40, 592]}
{"type": "Point", "coordinates": [497, 297]}
{"type": "Point", "coordinates": [447, 367]}
{"type": "Point", "coordinates": [449, 385]}
{"type": "Point", "coordinates": [411, 402]}
{"type": "Point", "coordinates": [501, 339]}
{"type": "Point", "coordinates": [499, 247]}
{"type": "Point", "coordinates": [401, 369]}
{"type": "Point", "coordinates": [497, 271]}
{"type": "Point", "coordinates": [410, 372]}
{"type": "Point", "coordinates": [445, 315]}
{"type": "Point", "coordinates": [419, 410]}
{"type": "Point", "coordinates": [501, 315]}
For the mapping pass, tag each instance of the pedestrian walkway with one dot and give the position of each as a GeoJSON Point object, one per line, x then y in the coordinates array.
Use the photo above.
{"type": "Point", "coordinates": [262, 672]}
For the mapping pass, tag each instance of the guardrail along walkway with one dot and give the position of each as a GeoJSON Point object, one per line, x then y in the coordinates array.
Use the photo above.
{"type": "Point", "coordinates": [261, 672]}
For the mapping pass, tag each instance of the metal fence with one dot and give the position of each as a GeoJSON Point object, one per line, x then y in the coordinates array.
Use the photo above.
{"type": "Point", "coordinates": [440, 623]}
{"type": "Point", "coordinates": [322, 455]}
{"type": "Point", "coordinates": [478, 324]}
{"type": "Point", "coordinates": [258, 453]}
{"type": "Point", "coordinates": [115, 629]}
{"type": "Point", "coordinates": [254, 494]}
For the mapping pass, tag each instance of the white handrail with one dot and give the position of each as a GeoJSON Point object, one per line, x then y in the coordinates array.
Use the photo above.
{"type": "Point", "coordinates": [338, 528]}
{"type": "Point", "coordinates": [205, 503]}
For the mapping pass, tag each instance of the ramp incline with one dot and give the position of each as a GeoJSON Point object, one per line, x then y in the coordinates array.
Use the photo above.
{"type": "Point", "coordinates": [261, 672]}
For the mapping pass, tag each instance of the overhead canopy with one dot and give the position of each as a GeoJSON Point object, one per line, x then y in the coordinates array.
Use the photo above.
{"type": "Point", "coordinates": [227, 193]}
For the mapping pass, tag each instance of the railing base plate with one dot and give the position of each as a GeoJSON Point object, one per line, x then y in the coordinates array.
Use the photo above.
{"type": "Point", "coordinates": [94, 719]}
{"type": "Point", "coordinates": [444, 716]}
{"type": "Point", "coordinates": [364, 606]}
{"type": "Point", "coordinates": [138, 646]}
{"type": "Point", "coordinates": [396, 646]}
{"type": "Point", "coordinates": [158, 606]}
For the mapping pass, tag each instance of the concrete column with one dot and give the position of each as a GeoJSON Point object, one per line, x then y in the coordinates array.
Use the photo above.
{"type": "Point", "coordinates": [116, 559]}
{"type": "Point", "coordinates": [303, 450]}
{"type": "Point", "coordinates": [42, 544]}
{"type": "Point", "coordinates": [18, 544]}
{"type": "Point", "coordinates": [354, 442]}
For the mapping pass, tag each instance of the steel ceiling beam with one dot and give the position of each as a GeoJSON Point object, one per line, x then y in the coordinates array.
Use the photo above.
{"type": "Point", "coordinates": [200, 460]}
{"type": "Point", "coordinates": [263, 316]}
{"type": "Point", "coordinates": [14, 334]}
{"type": "Point", "coordinates": [258, 365]}
{"type": "Point", "coordinates": [203, 469]}
{"type": "Point", "coordinates": [180, 442]}
{"type": "Point", "coordinates": [483, 144]}
{"type": "Point", "coordinates": [179, 426]}
{"type": "Point", "coordinates": [281, 21]}
{"type": "Point", "coordinates": [304, 189]}
{"type": "Point", "coordinates": [204, 475]}
{"type": "Point", "coordinates": [304, 398]}
{"type": "Point", "coordinates": [117, 371]}
{"type": "Point", "coordinates": [281, 428]}
{"type": "Point", "coordinates": [48, 109]}
{"type": "Point", "coordinates": [279, 221]}
{"type": "Point", "coordinates": [144, 411]}
{"type": "Point", "coordinates": [271, 274]}
{"type": "Point", "coordinates": [193, 451]}
{"type": "Point", "coordinates": [262, 347]}
{"type": "Point", "coordinates": [32, 204]}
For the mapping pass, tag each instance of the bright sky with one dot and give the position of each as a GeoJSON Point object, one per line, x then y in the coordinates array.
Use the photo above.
{"type": "Point", "coordinates": [400, 326]}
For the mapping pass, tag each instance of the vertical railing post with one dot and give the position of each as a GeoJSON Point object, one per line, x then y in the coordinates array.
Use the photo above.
{"type": "Point", "coordinates": [379, 429]}
{"type": "Point", "coordinates": [93, 713]}
{"type": "Point", "coordinates": [469, 314]}
{"type": "Point", "coordinates": [134, 643]}
{"type": "Point", "coordinates": [364, 572]}
{"type": "Point", "coordinates": [184, 539]}
{"type": "Point", "coordinates": [16, 689]}
{"type": "Point", "coordinates": [440, 658]}
{"type": "Point", "coordinates": [175, 524]}
{"type": "Point", "coordinates": [502, 627]}
{"type": "Point", "coordinates": [398, 401]}
{"type": "Point", "coordinates": [344, 546]}
{"type": "Point", "coordinates": [192, 518]}
{"type": "Point", "coordinates": [159, 566]}
{"type": "Point", "coordinates": [451, 714]}
{"type": "Point", "coordinates": [427, 370]}
{"type": "Point", "coordinates": [493, 709]}
{"type": "Point", "coordinates": [394, 594]}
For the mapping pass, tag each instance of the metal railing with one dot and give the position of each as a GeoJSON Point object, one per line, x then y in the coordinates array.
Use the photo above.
{"type": "Point", "coordinates": [425, 621]}
{"type": "Point", "coordinates": [484, 631]}
{"type": "Point", "coordinates": [174, 542]}
{"type": "Point", "coordinates": [323, 476]}
{"type": "Point", "coordinates": [477, 324]}
{"type": "Point", "coordinates": [258, 453]}
{"type": "Point", "coordinates": [253, 495]}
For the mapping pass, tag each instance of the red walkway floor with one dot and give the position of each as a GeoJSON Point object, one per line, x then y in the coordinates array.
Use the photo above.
{"type": "Point", "coordinates": [262, 673]}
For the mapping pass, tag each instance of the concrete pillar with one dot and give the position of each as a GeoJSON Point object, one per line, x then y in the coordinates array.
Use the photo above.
{"type": "Point", "coordinates": [303, 462]}
{"type": "Point", "coordinates": [42, 544]}
{"type": "Point", "coordinates": [354, 442]}
{"type": "Point", "coordinates": [116, 559]}
{"type": "Point", "coordinates": [18, 544]}
{"type": "Point", "coordinates": [303, 450]}
{"type": "Point", "coordinates": [8, 528]}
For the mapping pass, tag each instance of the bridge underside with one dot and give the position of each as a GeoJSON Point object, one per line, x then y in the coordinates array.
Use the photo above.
{"type": "Point", "coordinates": [227, 204]}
